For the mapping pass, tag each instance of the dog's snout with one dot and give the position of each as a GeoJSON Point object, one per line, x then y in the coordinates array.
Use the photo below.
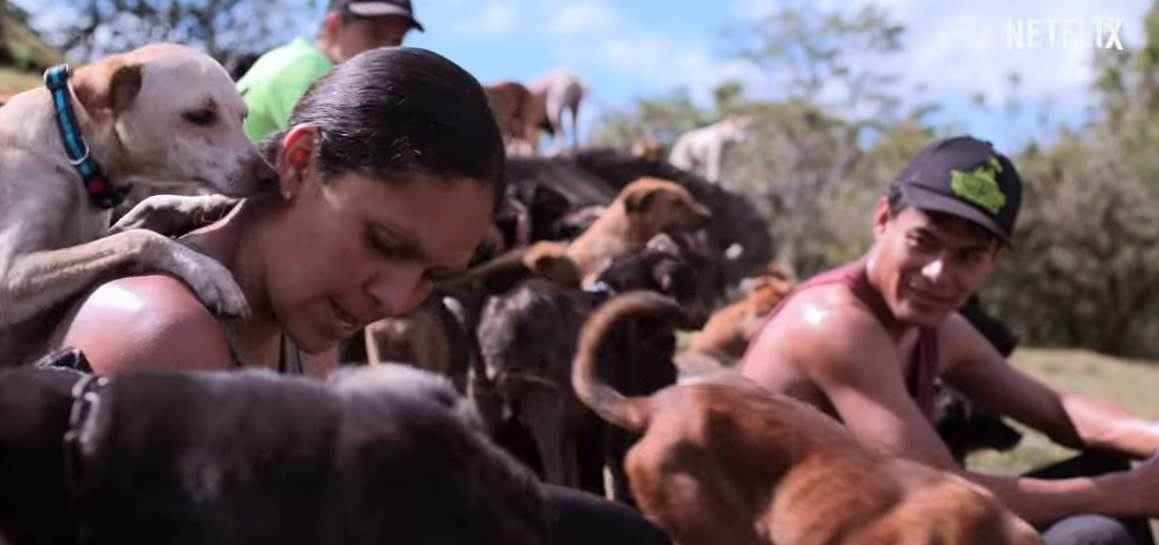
{"type": "Point", "coordinates": [703, 213]}
{"type": "Point", "coordinates": [255, 176]}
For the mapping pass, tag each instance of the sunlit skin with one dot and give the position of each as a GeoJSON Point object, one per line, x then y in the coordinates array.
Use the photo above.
{"type": "Point", "coordinates": [827, 347]}
{"type": "Point", "coordinates": [341, 40]}
{"type": "Point", "coordinates": [317, 261]}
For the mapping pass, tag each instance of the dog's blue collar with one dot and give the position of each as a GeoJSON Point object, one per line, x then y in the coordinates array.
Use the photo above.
{"type": "Point", "coordinates": [101, 193]}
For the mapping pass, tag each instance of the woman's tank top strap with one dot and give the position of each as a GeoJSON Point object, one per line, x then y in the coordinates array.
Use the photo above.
{"type": "Point", "coordinates": [290, 359]}
{"type": "Point", "coordinates": [231, 343]}
{"type": "Point", "coordinates": [923, 368]}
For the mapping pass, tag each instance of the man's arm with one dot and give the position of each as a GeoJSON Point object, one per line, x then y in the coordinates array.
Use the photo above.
{"type": "Point", "coordinates": [976, 369]}
{"type": "Point", "coordinates": [851, 358]}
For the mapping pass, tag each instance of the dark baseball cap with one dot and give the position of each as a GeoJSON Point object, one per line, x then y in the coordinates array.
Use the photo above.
{"type": "Point", "coordinates": [378, 8]}
{"type": "Point", "coordinates": [965, 177]}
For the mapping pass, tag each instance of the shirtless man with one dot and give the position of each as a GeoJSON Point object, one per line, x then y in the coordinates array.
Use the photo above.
{"type": "Point", "coordinates": [865, 343]}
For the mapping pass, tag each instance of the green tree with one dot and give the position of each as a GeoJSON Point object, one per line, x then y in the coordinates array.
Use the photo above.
{"type": "Point", "coordinates": [222, 28]}
{"type": "Point", "coordinates": [1085, 268]}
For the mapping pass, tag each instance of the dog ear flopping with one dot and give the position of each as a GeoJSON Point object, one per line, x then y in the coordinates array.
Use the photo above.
{"type": "Point", "coordinates": [108, 87]}
{"type": "Point", "coordinates": [642, 199]}
{"type": "Point", "coordinates": [549, 260]}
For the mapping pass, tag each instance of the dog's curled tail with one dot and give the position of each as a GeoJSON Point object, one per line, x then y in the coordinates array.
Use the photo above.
{"type": "Point", "coordinates": [630, 413]}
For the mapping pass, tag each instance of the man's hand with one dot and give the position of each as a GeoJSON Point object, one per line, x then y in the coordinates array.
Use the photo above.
{"type": "Point", "coordinates": [173, 215]}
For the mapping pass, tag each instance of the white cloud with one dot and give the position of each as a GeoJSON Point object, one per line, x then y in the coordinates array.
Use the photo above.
{"type": "Point", "coordinates": [963, 48]}
{"type": "Point", "coordinates": [971, 50]}
{"type": "Point", "coordinates": [665, 62]}
{"type": "Point", "coordinates": [499, 17]}
{"type": "Point", "coordinates": [584, 17]}
{"type": "Point", "coordinates": [754, 10]}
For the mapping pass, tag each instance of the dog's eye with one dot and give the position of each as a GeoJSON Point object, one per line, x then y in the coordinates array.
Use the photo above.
{"type": "Point", "coordinates": [202, 118]}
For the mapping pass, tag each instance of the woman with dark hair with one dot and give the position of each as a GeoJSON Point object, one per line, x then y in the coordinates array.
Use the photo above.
{"type": "Point", "coordinates": [386, 181]}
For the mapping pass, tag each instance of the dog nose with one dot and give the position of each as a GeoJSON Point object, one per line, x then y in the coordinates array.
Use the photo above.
{"type": "Point", "coordinates": [254, 176]}
{"type": "Point", "coordinates": [703, 213]}
{"type": "Point", "coordinates": [262, 174]}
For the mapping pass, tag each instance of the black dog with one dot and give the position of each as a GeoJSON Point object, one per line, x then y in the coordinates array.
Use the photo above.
{"type": "Point", "coordinates": [527, 340]}
{"type": "Point", "coordinates": [383, 455]}
{"type": "Point", "coordinates": [963, 424]}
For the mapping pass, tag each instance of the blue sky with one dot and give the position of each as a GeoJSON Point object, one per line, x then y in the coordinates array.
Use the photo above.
{"type": "Point", "coordinates": [633, 48]}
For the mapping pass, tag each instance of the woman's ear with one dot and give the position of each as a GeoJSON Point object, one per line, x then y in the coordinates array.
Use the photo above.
{"type": "Point", "coordinates": [296, 158]}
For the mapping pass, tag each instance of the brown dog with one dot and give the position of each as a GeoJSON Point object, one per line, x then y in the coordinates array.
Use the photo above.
{"type": "Point", "coordinates": [642, 210]}
{"type": "Point", "coordinates": [511, 103]}
{"type": "Point", "coordinates": [728, 331]}
{"type": "Point", "coordinates": [726, 461]}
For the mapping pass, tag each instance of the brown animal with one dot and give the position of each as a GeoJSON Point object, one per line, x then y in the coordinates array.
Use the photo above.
{"type": "Point", "coordinates": [423, 338]}
{"type": "Point", "coordinates": [553, 95]}
{"type": "Point", "coordinates": [642, 210]}
{"type": "Point", "coordinates": [514, 110]}
{"type": "Point", "coordinates": [728, 331]}
{"type": "Point", "coordinates": [725, 461]}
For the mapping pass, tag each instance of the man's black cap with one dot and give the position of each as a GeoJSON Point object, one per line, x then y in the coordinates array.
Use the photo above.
{"type": "Point", "coordinates": [965, 177]}
{"type": "Point", "coordinates": [377, 8]}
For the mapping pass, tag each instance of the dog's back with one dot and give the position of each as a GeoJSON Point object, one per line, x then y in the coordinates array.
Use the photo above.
{"type": "Point", "coordinates": [722, 460]}
{"type": "Point", "coordinates": [379, 455]}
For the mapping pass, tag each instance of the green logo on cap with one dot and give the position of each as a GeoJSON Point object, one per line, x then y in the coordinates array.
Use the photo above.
{"type": "Point", "coordinates": [979, 186]}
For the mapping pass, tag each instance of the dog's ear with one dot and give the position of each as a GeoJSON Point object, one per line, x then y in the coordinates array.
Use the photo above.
{"type": "Point", "coordinates": [549, 260]}
{"type": "Point", "coordinates": [641, 199]}
{"type": "Point", "coordinates": [109, 86]}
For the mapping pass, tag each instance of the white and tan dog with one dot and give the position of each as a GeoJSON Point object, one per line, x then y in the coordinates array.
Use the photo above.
{"type": "Point", "coordinates": [552, 95]}
{"type": "Point", "coordinates": [155, 116]}
{"type": "Point", "coordinates": [702, 150]}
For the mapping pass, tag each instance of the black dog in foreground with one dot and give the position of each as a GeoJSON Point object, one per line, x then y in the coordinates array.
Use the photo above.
{"type": "Point", "coordinates": [963, 424]}
{"type": "Point", "coordinates": [375, 455]}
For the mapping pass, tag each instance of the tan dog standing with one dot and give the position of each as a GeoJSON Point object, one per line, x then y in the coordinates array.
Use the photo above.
{"type": "Point", "coordinates": [157, 115]}
{"type": "Point", "coordinates": [642, 210]}
{"type": "Point", "coordinates": [725, 461]}
{"type": "Point", "coordinates": [515, 113]}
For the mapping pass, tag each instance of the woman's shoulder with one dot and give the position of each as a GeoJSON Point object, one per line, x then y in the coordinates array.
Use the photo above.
{"type": "Point", "coordinates": [149, 322]}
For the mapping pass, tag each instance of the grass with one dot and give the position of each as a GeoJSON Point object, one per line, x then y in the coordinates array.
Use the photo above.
{"type": "Point", "coordinates": [14, 81]}
{"type": "Point", "coordinates": [1132, 385]}
{"type": "Point", "coordinates": [25, 51]}
{"type": "Point", "coordinates": [25, 46]}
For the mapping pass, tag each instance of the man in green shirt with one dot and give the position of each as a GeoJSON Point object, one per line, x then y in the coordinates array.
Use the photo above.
{"type": "Point", "coordinates": [279, 78]}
